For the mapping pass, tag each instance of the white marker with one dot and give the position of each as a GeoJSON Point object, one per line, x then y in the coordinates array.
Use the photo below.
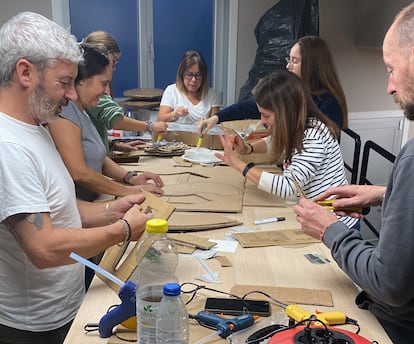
{"type": "Point", "coordinates": [269, 220]}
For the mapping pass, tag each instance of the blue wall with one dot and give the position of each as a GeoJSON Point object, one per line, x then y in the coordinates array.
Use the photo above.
{"type": "Point", "coordinates": [179, 25]}
{"type": "Point", "coordinates": [122, 23]}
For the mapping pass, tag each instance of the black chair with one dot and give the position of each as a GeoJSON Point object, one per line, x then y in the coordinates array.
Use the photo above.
{"type": "Point", "coordinates": [347, 136]}
{"type": "Point", "coordinates": [382, 161]}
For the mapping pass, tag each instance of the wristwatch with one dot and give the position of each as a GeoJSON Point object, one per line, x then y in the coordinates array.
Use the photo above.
{"type": "Point", "coordinates": [128, 176]}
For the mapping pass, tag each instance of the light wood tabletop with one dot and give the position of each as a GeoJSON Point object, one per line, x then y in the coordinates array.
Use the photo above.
{"type": "Point", "coordinates": [281, 266]}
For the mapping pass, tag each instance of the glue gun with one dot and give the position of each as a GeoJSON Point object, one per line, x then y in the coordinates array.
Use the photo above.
{"type": "Point", "coordinates": [328, 318]}
{"type": "Point", "coordinates": [225, 326]}
{"type": "Point", "coordinates": [121, 312]}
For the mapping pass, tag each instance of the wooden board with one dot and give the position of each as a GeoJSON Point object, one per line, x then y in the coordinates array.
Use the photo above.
{"type": "Point", "coordinates": [143, 93]}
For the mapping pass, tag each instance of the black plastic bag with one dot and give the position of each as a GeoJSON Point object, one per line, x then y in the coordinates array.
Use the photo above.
{"type": "Point", "coordinates": [277, 30]}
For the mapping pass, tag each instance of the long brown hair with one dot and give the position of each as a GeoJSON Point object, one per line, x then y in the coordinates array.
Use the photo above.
{"type": "Point", "coordinates": [189, 59]}
{"type": "Point", "coordinates": [319, 73]}
{"type": "Point", "coordinates": [286, 94]}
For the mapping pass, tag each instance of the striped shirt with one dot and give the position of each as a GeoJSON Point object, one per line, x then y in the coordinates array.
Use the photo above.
{"type": "Point", "coordinates": [317, 168]}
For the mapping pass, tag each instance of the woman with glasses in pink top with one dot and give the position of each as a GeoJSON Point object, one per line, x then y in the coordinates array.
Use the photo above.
{"type": "Point", "coordinates": [190, 98]}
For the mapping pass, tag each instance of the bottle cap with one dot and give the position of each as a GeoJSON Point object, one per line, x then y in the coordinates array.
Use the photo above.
{"type": "Point", "coordinates": [157, 226]}
{"type": "Point", "coordinates": [171, 289]}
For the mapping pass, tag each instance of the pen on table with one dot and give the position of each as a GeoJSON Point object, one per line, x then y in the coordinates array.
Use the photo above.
{"type": "Point", "coordinates": [200, 139]}
{"type": "Point", "coordinates": [269, 220]}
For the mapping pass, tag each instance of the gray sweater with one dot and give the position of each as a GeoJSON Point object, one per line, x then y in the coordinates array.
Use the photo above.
{"type": "Point", "coordinates": [385, 271]}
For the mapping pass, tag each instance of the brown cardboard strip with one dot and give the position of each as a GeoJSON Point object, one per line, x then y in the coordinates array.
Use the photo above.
{"type": "Point", "coordinates": [224, 261]}
{"type": "Point", "coordinates": [194, 221]}
{"type": "Point", "coordinates": [273, 238]}
{"type": "Point", "coordinates": [123, 263]}
{"type": "Point", "coordinates": [192, 240]}
{"type": "Point", "coordinates": [303, 296]}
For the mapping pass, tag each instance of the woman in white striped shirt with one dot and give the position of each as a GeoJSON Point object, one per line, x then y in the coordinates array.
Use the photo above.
{"type": "Point", "coordinates": [301, 137]}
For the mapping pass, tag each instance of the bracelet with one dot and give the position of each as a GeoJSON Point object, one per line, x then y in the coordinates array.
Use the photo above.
{"type": "Point", "coordinates": [174, 117]}
{"type": "Point", "coordinates": [107, 212]}
{"type": "Point", "coordinates": [128, 176]}
{"type": "Point", "coordinates": [251, 148]}
{"type": "Point", "coordinates": [127, 229]}
{"type": "Point", "coordinates": [247, 168]}
{"type": "Point", "coordinates": [150, 126]}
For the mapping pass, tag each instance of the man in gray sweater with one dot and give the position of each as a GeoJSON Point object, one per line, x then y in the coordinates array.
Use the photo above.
{"type": "Point", "coordinates": [384, 271]}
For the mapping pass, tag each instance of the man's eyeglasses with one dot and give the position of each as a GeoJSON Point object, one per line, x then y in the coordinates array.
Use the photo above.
{"type": "Point", "coordinates": [190, 76]}
{"type": "Point", "coordinates": [292, 60]}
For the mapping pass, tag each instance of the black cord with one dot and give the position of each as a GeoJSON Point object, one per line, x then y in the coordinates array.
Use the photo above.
{"type": "Point", "coordinates": [193, 288]}
{"type": "Point", "coordinates": [196, 287]}
{"type": "Point", "coordinates": [277, 302]}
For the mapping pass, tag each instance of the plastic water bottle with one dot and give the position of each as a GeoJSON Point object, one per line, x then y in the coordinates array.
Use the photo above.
{"type": "Point", "coordinates": [157, 258]}
{"type": "Point", "coordinates": [172, 319]}
{"type": "Point", "coordinates": [129, 114]}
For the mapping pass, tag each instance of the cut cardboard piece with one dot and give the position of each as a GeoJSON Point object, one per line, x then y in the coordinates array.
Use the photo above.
{"type": "Point", "coordinates": [274, 238]}
{"type": "Point", "coordinates": [115, 261]}
{"type": "Point", "coordinates": [191, 222]}
{"type": "Point", "coordinates": [192, 240]}
{"type": "Point", "coordinates": [259, 198]}
{"type": "Point", "coordinates": [203, 196]}
{"type": "Point", "coordinates": [202, 189]}
{"type": "Point", "coordinates": [304, 296]}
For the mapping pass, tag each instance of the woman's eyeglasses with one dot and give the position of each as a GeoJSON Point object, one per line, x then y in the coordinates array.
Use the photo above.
{"type": "Point", "coordinates": [190, 76]}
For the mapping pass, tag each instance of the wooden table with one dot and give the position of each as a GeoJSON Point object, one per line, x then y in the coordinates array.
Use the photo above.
{"type": "Point", "coordinates": [266, 266]}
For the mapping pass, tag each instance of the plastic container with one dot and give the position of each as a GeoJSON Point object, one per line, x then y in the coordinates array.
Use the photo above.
{"type": "Point", "coordinates": [127, 133]}
{"type": "Point", "coordinates": [157, 259]}
{"type": "Point", "coordinates": [172, 319]}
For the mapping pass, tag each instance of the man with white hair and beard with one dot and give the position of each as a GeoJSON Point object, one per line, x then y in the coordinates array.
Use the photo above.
{"type": "Point", "coordinates": [40, 219]}
{"type": "Point", "coordinates": [384, 271]}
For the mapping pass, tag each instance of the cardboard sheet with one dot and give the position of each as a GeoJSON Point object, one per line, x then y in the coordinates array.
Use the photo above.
{"type": "Point", "coordinates": [192, 221]}
{"type": "Point", "coordinates": [192, 240]}
{"type": "Point", "coordinates": [303, 296]}
{"type": "Point", "coordinates": [203, 189]}
{"type": "Point", "coordinates": [274, 238]}
{"type": "Point", "coordinates": [120, 260]}
{"type": "Point", "coordinates": [259, 198]}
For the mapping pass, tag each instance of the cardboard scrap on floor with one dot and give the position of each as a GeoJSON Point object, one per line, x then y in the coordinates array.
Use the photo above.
{"type": "Point", "coordinates": [304, 296]}
{"type": "Point", "coordinates": [273, 238]}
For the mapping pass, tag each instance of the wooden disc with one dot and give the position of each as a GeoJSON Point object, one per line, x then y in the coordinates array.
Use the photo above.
{"type": "Point", "coordinates": [143, 93]}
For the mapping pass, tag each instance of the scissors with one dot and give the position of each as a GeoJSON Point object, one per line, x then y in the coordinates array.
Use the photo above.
{"type": "Point", "coordinates": [327, 203]}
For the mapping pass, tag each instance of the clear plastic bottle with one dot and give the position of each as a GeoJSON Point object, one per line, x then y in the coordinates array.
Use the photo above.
{"type": "Point", "coordinates": [157, 259]}
{"type": "Point", "coordinates": [172, 318]}
{"type": "Point", "coordinates": [130, 114]}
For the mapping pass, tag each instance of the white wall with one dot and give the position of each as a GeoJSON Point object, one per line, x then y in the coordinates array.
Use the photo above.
{"type": "Point", "coordinates": [249, 14]}
{"type": "Point", "coordinates": [361, 70]}
{"type": "Point", "coordinates": [10, 8]}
